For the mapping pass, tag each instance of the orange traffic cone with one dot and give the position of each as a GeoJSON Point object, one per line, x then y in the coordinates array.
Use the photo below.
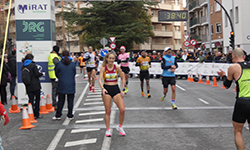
{"type": "Point", "coordinates": [14, 108]}
{"type": "Point", "coordinates": [26, 120]}
{"type": "Point", "coordinates": [31, 114]}
{"type": "Point", "coordinates": [208, 81]}
{"type": "Point", "coordinates": [43, 109]}
{"type": "Point", "coordinates": [215, 83]}
{"type": "Point", "coordinates": [188, 79]}
{"type": "Point", "coordinates": [49, 106]}
{"type": "Point", "coordinates": [235, 88]}
{"type": "Point", "coordinates": [223, 87]}
{"type": "Point", "coordinates": [191, 79]}
{"type": "Point", "coordinates": [200, 80]}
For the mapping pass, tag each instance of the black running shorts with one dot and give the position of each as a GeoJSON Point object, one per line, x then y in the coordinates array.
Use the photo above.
{"type": "Point", "coordinates": [113, 90]}
{"type": "Point", "coordinates": [125, 69]}
{"type": "Point", "coordinates": [168, 80]}
{"type": "Point", "coordinates": [89, 69]}
{"type": "Point", "coordinates": [144, 75]}
{"type": "Point", "coordinates": [242, 110]}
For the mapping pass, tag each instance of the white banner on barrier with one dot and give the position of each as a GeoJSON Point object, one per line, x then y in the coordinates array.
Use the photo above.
{"type": "Point", "coordinates": [183, 68]}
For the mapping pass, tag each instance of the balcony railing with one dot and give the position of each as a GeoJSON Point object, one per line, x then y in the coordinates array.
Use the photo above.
{"type": "Point", "coordinates": [194, 22]}
{"type": "Point", "coordinates": [204, 19]}
{"type": "Point", "coordinates": [194, 4]}
{"type": "Point", "coordinates": [196, 37]}
{"type": "Point", "coordinates": [163, 33]}
{"type": "Point", "coordinates": [161, 46]}
{"type": "Point", "coordinates": [204, 38]}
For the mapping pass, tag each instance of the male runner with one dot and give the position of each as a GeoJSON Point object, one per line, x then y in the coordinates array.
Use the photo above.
{"type": "Point", "coordinates": [168, 64]}
{"type": "Point", "coordinates": [240, 72]}
{"type": "Point", "coordinates": [123, 59]}
{"type": "Point", "coordinates": [144, 63]}
{"type": "Point", "coordinates": [82, 64]}
{"type": "Point", "coordinates": [90, 64]}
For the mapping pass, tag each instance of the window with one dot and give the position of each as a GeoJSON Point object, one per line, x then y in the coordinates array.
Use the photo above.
{"type": "Point", "coordinates": [177, 28]}
{"type": "Point", "coordinates": [164, 41]}
{"type": "Point", "coordinates": [211, 8]}
{"type": "Point", "coordinates": [153, 27]}
{"type": "Point", "coordinates": [76, 43]}
{"type": "Point", "coordinates": [153, 41]}
{"type": "Point", "coordinates": [218, 27]}
{"type": "Point", "coordinates": [153, 13]}
{"type": "Point", "coordinates": [236, 15]}
{"type": "Point", "coordinates": [147, 40]}
{"type": "Point", "coordinates": [163, 28]}
{"type": "Point", "coordinates": [177, 42]}
{"type": "Point", "coordinates": [212, 29]}
{"type": "Point", "coordinates": [226, 20]}
{"type": "Point", "coordinates": [216, 7]}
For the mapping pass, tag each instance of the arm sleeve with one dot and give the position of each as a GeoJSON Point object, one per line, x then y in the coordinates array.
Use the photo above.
{"type": "Point", "coordinates": [163, 64]}
{"type": "Point", "coordinates": [55, 60]}
{"type": "Point", "coordinates": [149, 61]}
{"type": "Point", "coordinates": [85, 59]}
{"type": "Point", "coordinates": [226, 82]}
{"type": "Point", "coordinates": [137, 62]}
{"type": "Point", "coordinates": [125, 60]}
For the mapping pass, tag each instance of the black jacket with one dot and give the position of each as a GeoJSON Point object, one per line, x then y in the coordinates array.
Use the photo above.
{"type": "Point", "coordinates": [35, 74]}
{"type": "Point", "coordinates": [12, 65]}
{"type": "Point", "coordinates": [6, 69]}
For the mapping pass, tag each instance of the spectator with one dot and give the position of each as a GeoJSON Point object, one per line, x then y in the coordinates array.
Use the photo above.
{"type": "Point", "coordinates": [4, 115]}
{"type": "Point", "coordinates": [179, 58]}
{"type": "Point", "coordinates": [12, 66]}
{"type": "Point", "coordinates": [191, 57]}
{"type": "Point", "coordinates": [33, 90]}
{"type": "Point", "coordinates": [223, 57]}
{"type": "Point", "coordinates": [201, 56]}
{"type": "Point", "coordinates": [184, 55]}
{"type": "Point", "coordinates": [154, 55]}
{"type": "Point", "coordinates": [215, 54]}
{"type": "Point", "coordinates": [209, 56]}
{"type": "Point", "coordinates": [158, 56]}
{"type": "Point", "coordinates": [65, 71]}
{"type": "Point", "coordinates": [3, 83]}
{"type": "Point", "coordinates": [74, 58]}
{"type": "Point", "coordinates": [150, 56]}
{"type": "Point", "coordinates": [218, 57]}
{"type": "Point", "coordinates": [229, 56]}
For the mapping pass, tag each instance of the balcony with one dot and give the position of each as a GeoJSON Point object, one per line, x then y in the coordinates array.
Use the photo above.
{"type": "Point", "coordinates": [59, 24]}
{"type": "Point", "coordinates": [161, 33]}
{"type": "Point", "coordinates": [194, 22]}
{"type": "Point", "coordinates": [161, 46]}
{"type": "Point", "coordinates": [177, 47]}
{"type": "Point", "coordinates": [59, 37]}
{"type": "Point", "coordinates": [146, 46]}
{"type": "Point", "coordinates": [204, 38]}
{"type": "Point", "coordinates": [7, 6]}
{"type": "Point", "coordinates": [74, 48]}
{"type": "Point", "coordinates": [163, 6]}
{"type": "Point", "coordinates": [196, 37]}
{"type": "Point", "coordinates": [204, 20]}
{"type": "Point", "coordinates": [203, 2]}
{"type": "Point", "coordinates": [193, 5]}
{"type": "Point", "coordinates": [177, 35]}
{"type": "Point", "coordinates": [12, 18]}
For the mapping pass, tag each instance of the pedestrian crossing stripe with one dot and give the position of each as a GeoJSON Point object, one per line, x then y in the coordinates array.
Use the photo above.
{"type": "Point", "coordinates": [93, 103]}
{"type": "Point", "coordinates": [92, 113]}
{"type": "Point", "coordinates": [84, 130]}
{"type": "Point", "coordinates": [80, 142]}
{"type": "Point", "coordinates": [89, 120]}
{"type": "Point", "coordinates": [93, 99]}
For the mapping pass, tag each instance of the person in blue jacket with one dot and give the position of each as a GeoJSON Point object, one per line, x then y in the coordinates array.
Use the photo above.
{"type": "Point", "coordinates": [65, 71]}
{"type": "Point", "coordinates": [168, 64]}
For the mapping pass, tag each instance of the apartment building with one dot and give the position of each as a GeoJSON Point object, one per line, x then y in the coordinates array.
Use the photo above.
{"type": "Point", "coordinates": [238, 12]}
{"type": "Point", "coordinates": [198, 24]}
{"type": "Point", "coordinates": [167, 34]}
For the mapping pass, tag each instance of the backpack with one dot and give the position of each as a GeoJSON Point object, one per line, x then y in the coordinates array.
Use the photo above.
{"type": "Point", "coordinates": [26, 76]}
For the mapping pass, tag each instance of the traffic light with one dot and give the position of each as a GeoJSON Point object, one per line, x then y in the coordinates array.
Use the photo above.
{"type": "Point", "coordinates": [231, 39]}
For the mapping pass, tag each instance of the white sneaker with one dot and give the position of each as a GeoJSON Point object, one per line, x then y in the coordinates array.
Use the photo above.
{"type": "Point", "coordinates": [56, 118]}
{"type": "Point", "coordinates": [108, 133]}
{"type": "Point", "coordinates": [121, 131]}
{"type": "Point", "coordinates": [70, 118]}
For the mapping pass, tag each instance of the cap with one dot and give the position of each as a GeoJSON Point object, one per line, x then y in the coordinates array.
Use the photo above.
{"type": "Point", "coordinates": [123, 47]}
{"type": "Point", "coordinates": [154, 51]}
{"type": "Point", "coordinates": [167, 48]}
{"type": "Point", "coordinates": [199, 49]}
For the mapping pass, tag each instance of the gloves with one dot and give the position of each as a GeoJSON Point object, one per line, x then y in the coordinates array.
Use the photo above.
{"type": "Point", "coordinates": [4, 114]}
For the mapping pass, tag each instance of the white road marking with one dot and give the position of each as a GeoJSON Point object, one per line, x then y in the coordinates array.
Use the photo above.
{"type": "Point", "coordinates": [80, 142]}
{"type": "Point", "coordinates": [92, 113]}
{"type": "Point", "coordinates": [60, 132]}
{"type": "Point", "coordinates": [89, 120]}
{"type": "Point", "coordinates": [84, 130]}
{"type": "Point", "coordinates": [94, 99]}
{"type": "Point", "coordinates": [96, 93]}
{"type": "Point", "coordinates": [94, 103]}
{"type": "Point", "coordinates": [180, 87]}
{"type": "Point", "coordinates": [203, 101]}
{"type": "Point", "coordinates": [77, 75]}
{"type": "Point", "coordinates": [93, 96]}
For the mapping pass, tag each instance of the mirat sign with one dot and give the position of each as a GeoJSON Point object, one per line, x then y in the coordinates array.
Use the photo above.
{"type": "Point", "coordinates": [40, 8]}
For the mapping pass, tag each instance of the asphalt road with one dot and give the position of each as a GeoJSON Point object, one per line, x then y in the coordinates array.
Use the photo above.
{"type": "Point", "coordinates": [201, 122]}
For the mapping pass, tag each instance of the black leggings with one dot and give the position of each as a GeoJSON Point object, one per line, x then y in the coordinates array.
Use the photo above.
{"type": "Point", "coordinates": [3, 94]}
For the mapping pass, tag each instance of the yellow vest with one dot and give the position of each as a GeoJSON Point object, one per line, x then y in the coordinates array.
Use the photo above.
{"type": "Point", "coordinates": [51, 65]}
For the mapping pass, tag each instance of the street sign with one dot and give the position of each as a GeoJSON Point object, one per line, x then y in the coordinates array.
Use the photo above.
{"type": "Point", "coordinates": [186, 43]}
{"type": "Point", "coordinates": [112, 39]}
{"type": "Point", "coordinates": [104, 41]}
{"type": "Point", "coordinates": [168, 15]}
{"type": "Point", "coordinates": [103, 52]}
{"type": "Point", "coordinates": [112, 45]}
{"type": "Point", "coordinates": [186, 36]}
{"type": "Point", "coordinates": [193, 42]}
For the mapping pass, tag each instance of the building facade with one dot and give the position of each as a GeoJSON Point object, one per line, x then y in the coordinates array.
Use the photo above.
{"type": "Point", "coordinates": [237, 11]}
{"type": "Point", "coordinates": [198, 24]}
{"type": "Point", "coordinates": [167, 34]}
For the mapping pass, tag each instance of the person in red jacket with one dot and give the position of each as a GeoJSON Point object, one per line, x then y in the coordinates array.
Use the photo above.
{"type": "Point", "coordinates": [5, 117]}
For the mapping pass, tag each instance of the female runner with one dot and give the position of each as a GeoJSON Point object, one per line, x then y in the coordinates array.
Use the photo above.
{"type": "Point", "coordinates": [110, 90]}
